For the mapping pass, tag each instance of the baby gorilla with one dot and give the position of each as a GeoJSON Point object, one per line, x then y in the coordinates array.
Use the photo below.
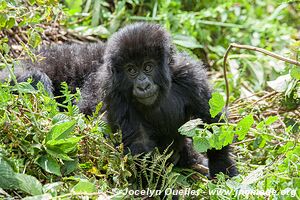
{"type": "Point", "coordinates": [148, 90]}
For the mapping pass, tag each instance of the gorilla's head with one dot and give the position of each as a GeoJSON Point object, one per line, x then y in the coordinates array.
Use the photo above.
{"type": "Point", "coordinates": [139, 56]}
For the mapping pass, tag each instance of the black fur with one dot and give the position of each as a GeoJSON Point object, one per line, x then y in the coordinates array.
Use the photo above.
{"type": "Point", "coordinates": [183, 94]}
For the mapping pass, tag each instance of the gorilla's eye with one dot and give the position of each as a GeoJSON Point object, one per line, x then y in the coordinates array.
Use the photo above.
{"type": "Point", "coordinates": [131, 70]}
{"type": "Point", "coordinates": [148, 67]}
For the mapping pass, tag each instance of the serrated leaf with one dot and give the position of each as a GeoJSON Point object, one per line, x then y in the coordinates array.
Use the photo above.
{"type": "Point", "coordinates": [8, 179]}
{"type": "Point", "coordinates": [29, 184]}
{"type": "Point", "coordinates": [60, 117]}
{"type": "Point", "coordinates": [244, 126]}
{"type": "Point", "coordinates": [61, 131]}
{"type": "Point", "coordinates": [201, 144]}
{"type": "Point", "coordinates": [65, 145]}
{"type": "Point", "coordinates": [49, 165]}
{"type": "Point", "coordinates": [84, 186]}
{"type": "Point", "coordinates": [216, 104]}
{"type": "Point", "coordinates": [189, 128]}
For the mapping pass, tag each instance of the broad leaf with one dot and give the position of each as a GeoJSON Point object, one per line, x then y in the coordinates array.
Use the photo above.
{"type": "Point", "coordinates": [84, 186]}
{"type": "Point", "coordinates": [200, 144]}
{"type": "Point", "coordinates": [24, 87]}
{"type": "Point", "coordinates": [295, 72]}
{"type": "Point", "coordinates": [187, 41]}
{"type": "Point", "coordinates": [270, 120]}
{"type": "Point", "coordinates": [49, 165]}
{"type": "Point", "coordinates": [61, 131]}
{"type": "Point", "coordinates": [29, 184]}
{"type": "Point", "coordinates": [8, 179]}
{"type": "Point", "coordinates": [65, 145]}
{"type": "Point", "coordinates": [244, 126]}
{"type": "Point", "coordinates": [189, 128]}
{"type": "Point", "coordinates": [216, 104]}
{"type": "Point", "coordinates": [57, 153]}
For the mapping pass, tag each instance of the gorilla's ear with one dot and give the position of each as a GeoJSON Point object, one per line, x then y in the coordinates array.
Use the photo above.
{"type": "Point", "coordinates": [172, 53]}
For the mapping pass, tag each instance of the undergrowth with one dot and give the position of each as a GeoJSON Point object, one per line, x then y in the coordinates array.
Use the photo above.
{"type": "Point", "coordinates": [53, 154]}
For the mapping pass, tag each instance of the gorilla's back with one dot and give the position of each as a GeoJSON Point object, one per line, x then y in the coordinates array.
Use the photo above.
{"type": "Point", "coordinates": [71, 63]}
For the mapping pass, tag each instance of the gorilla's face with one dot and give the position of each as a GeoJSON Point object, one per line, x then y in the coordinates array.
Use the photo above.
{"type": "Point", "coordinates": [138, 56]}
{"type": "Point", "coordinates": [142, 76]}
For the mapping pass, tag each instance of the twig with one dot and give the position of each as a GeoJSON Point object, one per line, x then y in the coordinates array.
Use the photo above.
{"type": "Point", "coordinates": [244, 141]}
{"type": "Point", "coordinates": [248, 47]}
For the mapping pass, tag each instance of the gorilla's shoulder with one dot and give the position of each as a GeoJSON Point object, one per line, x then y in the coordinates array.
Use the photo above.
{"type": "Point", "coordinates": [186, 67]}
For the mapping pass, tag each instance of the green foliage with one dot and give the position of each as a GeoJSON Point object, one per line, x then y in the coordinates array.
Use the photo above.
{"type": "Point", "coordinates": [23, 182]}
{"type": "Point", "coordinates": [216, 104]}
{"type": "Point", "coordinates": [48, 153]}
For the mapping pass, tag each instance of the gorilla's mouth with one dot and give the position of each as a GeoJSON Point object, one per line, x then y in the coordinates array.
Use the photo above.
{"type": "Point", "coordinates": [149, 100]}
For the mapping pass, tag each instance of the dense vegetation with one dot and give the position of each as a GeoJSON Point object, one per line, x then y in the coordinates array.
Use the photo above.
{"type": "Point", "coordinates": [48, 153]}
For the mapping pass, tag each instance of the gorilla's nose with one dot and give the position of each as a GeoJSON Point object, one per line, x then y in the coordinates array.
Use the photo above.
{"type": "Point", "coordinates": [144, 86]}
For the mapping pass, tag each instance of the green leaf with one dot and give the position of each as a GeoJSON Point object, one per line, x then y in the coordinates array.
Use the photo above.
{"type": "Point", "coordinates": [60, 117]}
{"type": "Point", "coordinates": [34, 39]}
{"type": "Point", "coordinates": [270, 120]}
{"type": "Point", "coordinates": [215, 140]}
{"type": "Point", "coordinates": [29, 184]}
{"type": "Point", "coordinates": [65, 145]}
{"type": "Point", "coordinates": [6, 48]}
{"type": "Point", "coordinates": [69, 166]}
{"type": "Point", "coordinates": [201, 144]}
{"type": "Point", "coordinates": [31, 2]}
{"type": "Point", "coordinates": [3, 5]}
{"type": "Point", "coordinates": [24, 87]}
{"type": "Point", "coordinates": [244, 126]}
{"type": "Point", "coordinates": [84, 186]}
{"type": "Point", "coordinates": [295, 72]}
{"type": "Point", "coordinates": [226, 135]}
{"type": "Point", "coordinates": [58, 153]}
{"type": "Point", "coordinates": [2, 20]}
{"type": "Point", "coordinates": [189, 128]}
{"type": "Point", "coordinates": [74, 6]}
{"type": "Point", "coordinates": [186, 41]}
{"type": "Point", "coordinates": [10, 23]}
{"type": "Point", "coordinates": [8, 179]}
{"type": "Point", "coordinates": [49, 165]}
{"type": "Point", "coordinates": [61, 131]}
{"type": "Point", "coordinates": [216, 104]}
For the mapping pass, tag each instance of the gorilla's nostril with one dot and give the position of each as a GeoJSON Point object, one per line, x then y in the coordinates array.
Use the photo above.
{"type": "Point", "coordinates": [140, 88]}
{"type": "Point", "coordinates": [144, 87]}
{"type": "Point", "coordinates": [148, 86]}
